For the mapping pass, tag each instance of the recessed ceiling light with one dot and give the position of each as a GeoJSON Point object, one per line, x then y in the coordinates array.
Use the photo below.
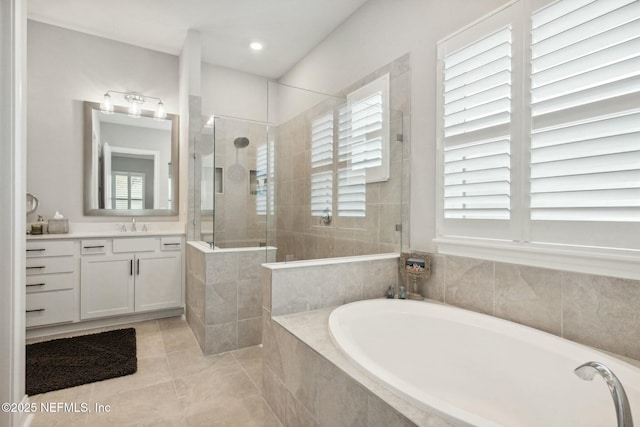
{"type": "Point", "coordinates": [256, 46]}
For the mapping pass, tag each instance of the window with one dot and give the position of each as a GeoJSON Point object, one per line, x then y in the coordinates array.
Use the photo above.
{"type": "Point", "coordinates": [359, 133]}
{"type": "Point", "coordinates": [129, 190]}
{"type": "Point", "coordinates": [322, 165]}
{"type": "Point", "coordinates": [264, 164]}
{"type": "Point", "coordinates": [364, 130]}
{"type": "Point", "coordinates": [477, 114]}
{"type": "Point", "coordinates": [541, 145]}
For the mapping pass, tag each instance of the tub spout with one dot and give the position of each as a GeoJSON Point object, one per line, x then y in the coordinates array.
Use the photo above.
{"type": "Point", "coordinates": [588, 371]}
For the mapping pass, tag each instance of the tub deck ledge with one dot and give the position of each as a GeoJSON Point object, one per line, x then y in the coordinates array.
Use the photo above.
{"type": "Point", "coordinates": [312, 328]}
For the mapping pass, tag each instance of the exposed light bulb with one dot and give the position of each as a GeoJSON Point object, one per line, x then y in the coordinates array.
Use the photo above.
{"type": "Point", "coordinates": [134, 110]}
{"type": "Point", "coordinates": [106, 106]}
{"type": "Point", "coordinates": [256, 46]}
{"type": "Point", "coordinates": [161, 113]}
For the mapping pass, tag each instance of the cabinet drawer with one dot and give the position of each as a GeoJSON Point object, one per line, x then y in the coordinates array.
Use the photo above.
{"type": "Point", "coordinates": [171, 243]}
{"type": "Point", "coordinates": [50, 248]}
{"type": "Point", "coordinates": [50, 282]}
{"type": "Point", "coordinates": [88, 247]}
{"type": "Point", "coordinates": [148, 244]}
{"type": "Point", "coordinates": [45, 308]}
{"type": "Point", "coordinates": [47, 265]}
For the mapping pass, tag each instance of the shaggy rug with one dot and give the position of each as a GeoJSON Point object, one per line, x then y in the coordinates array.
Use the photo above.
{"type": "Point", "coordinates": [69, 362]}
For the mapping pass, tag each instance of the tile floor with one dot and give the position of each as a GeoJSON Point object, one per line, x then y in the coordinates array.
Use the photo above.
{"type": "Point", "coordinates": [175, 385]}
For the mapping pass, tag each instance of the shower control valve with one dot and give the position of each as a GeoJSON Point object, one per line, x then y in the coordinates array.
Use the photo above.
{"type": "Point", "coordinates": [326, 217]}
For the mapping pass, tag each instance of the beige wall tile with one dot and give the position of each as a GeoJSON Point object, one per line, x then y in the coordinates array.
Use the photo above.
{"type": "Point", "coordinates": [222, 337]}
{"type": "Point", "coordinates": [469, 283]}
{"type": "Point", "coordinates": [249, 298]}
{"type": "Point", "coordinates": [341, 401]}
{"type": "Point", "coordinates": [433, 287]}
{"type": "Point", "coordinates": [221, 303]}
{"type": "Point", "coordinates": [602, 312]}
{"type": "Point", "coordinates": [529, 295]}
{"type": "Point", "coordinates": [249, 332]}
{"type": "Point", "coordinates": [297, 415]}
{"type": "Point", "coordinates": [380, 414]}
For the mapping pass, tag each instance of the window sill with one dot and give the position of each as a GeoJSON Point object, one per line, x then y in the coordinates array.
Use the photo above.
{"type": "Point", "coordinates": [600, 261]}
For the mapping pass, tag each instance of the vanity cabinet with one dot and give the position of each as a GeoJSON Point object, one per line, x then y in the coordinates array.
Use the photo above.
{"type": "Point", "coordinates": [130, 275]}
{"type": "Point", "coordinates": [50, 282]}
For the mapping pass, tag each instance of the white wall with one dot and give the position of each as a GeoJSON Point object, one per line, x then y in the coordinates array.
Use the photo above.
{"type": "Point", "coordinates": [233, 93]}
{"type": "Point", "coordinates": [66, 68]}
{"type": "Point", "coordinates": [377, 33]}
{"type": "Point", "coordinates": [12, 201]}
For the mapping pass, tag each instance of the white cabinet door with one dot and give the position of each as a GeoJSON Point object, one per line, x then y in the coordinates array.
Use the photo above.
{"type": "Point", "coordinates": [107, 285]}
{"type": "Point", "coordinates": [158, 281]}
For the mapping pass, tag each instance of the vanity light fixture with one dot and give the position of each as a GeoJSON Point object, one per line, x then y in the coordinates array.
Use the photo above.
{"type": "Point", "coordinates": [106, 106]}
{"type": "Point", "coordinates": [135, 101]}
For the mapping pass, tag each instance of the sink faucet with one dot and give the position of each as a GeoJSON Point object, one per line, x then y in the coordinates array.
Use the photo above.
{"type": "Point", "coordinates": [588, 371]}
{"type": "Point", "coordinates": [133, 224]}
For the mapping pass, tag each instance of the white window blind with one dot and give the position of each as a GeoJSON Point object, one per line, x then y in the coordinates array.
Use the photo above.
{"type": "Point", "coordinates": [352, 193]}
{"type": "Point", "coordinates": [363, 130]}
{"type": "Point", "coordinates": [352, 183]}
{"type": "Point", "coordinates": [476, 129]}
{"type": "Point", "coordinates": [263, 158]}
{"type": "Point", "coordinates": [322, 164]}
{"type": "Point", "coordinates": [539, 128]}
{"type": "Point", "coordinates": [129, 190]}
{"type": "Point", "coordinates": [585, 139]}
{"type": "Point", "coordinates": [321, 192]}
{"type": "Point", "coordinates": [322, 141]}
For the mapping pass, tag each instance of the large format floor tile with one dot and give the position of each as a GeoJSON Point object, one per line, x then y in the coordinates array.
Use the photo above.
{"type": "Point", "coordinates": [175, 386]}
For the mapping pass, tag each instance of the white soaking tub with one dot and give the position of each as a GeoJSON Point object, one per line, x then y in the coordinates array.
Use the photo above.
{"type": "Point", "coordinates": [479, 370]}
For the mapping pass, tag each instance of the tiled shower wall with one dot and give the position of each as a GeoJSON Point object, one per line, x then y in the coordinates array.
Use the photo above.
{"type": "Point", "coordinates": [594, 310]}
{"type": "Point", "coordinates": [224, 297]}
{"type": "Point", "coordinates": [301, 236]}
{"type": "Point", "coordinates": [235, 222]}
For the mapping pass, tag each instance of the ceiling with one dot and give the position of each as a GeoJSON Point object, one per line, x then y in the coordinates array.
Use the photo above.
{"type": "Point", "coordinates": [289, 29]}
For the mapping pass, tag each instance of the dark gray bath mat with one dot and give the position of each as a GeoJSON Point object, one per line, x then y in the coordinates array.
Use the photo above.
{"type": "Point", "coordinates": [69, 362]}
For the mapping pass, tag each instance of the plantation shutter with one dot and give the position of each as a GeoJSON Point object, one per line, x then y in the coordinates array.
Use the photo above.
{"type": "Point", "coordinates": [352, 183]}
{"type": "Point", "coordinates": [322, 165]}
{"type": "Point", "coordinates": [364, 130]}
{"type": "Point", "coordinates": [128, 190]}
{"type": "Point", "coordinates": [477, 83]}
{"type": "Point", "coordinates": [322, 141]}
{"type": "Point", "coordinates": [261, 177]}
{"type": "Point", "coordinates": [585, 136]}
{"type": "Point", "coordinates": [321, 192]}
{"type": "Point", "coordinates": [121, 190]}
{"type": "Point", "coordinates": [352, 193]}
{"type": "Point", "coordinates": [136, 191]}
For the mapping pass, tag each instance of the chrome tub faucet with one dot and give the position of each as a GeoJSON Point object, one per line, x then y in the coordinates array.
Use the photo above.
{"type": "Point", "coordinates": [588, 371]}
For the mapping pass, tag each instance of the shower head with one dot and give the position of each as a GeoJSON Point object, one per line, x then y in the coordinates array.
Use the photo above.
{"type": "Point", "coordinates": [241, 142]}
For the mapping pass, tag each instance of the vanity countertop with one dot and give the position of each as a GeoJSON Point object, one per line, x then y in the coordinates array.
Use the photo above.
{"type": "Point", "coordinates": [86, 230]}
{"type": "Point", "coordinates": [104, 234]}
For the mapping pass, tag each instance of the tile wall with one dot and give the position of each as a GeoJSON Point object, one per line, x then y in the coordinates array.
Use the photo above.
{"type": "Point", "coordinates": [302, 387]}
{"type": "Point", "coordinates": [224, 297]}
{"type": "Point", "coordinates": [300, 236]}
{"type": "Point", "coordinates": [594, 310]}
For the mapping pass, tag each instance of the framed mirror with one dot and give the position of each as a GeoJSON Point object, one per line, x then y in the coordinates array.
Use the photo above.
{"type": "Point", "coordinates": [130, 164]}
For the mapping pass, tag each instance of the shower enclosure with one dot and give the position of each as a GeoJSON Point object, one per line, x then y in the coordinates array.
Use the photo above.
{"type": "Point", "coordinates": [324, 176]}
{"type": "Point", "coordinates": [231, 162]}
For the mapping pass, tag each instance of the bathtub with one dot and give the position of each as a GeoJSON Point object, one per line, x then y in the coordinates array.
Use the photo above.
{"type": "Point", "coordinates": [477, 370]}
